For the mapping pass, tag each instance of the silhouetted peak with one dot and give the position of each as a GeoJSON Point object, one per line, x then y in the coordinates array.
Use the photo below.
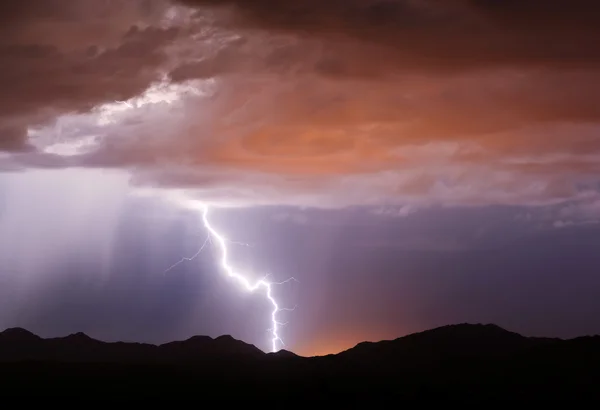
{"type": "Point", "coordinates": [199, 339]}
{"type": "Point", "coordinates": [283, 353]}
{"type": "Point", "coordinates": [78, 336]}
{"type": "Point", "coordinates": [18, 333]}
{"type": "Point", "coordinates": [482, 326]}
{"type": "Point", "coordinates": [462, 339]}
{"type": "Point", "coordinates": [226, 338]}
{"type": "Point", "coordinates": [205, 347]}
{"type": "Point", "coordinates": [233, 343]}
{"type": "Point", "coordinates": [195, 342]}
{"type": "Point", "coordinates": [470, 330]}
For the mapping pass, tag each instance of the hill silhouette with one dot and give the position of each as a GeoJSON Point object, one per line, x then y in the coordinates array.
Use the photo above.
{"type": "Point", "coordinates": [19, 345]}
{"type": "Point", "coordinates": [465, 361]}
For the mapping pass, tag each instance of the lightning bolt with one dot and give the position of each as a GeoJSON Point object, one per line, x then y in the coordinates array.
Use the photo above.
{"type": "Point", "coordinates": [230, 271]}
{"type": "Point", "coordinates": [191, 258]}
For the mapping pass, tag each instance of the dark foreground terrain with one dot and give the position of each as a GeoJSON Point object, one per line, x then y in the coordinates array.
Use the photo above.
{"type": "Point", "coordinates": [453, 362]}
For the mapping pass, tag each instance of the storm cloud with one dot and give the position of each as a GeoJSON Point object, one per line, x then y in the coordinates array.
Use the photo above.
{"type": "Point", "coordinates": [310, 103]}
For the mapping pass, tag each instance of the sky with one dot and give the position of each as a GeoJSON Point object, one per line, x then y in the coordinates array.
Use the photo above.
{"type": "Point", "coordinates": [410, 163]}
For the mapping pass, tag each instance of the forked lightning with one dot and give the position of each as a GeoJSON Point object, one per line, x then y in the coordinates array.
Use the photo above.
{"type": "Point", "coordinates": [261, 284]}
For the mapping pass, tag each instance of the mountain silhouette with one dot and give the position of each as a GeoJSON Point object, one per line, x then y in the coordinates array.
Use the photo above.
{"type": "Point", "coordinates": [453, 341]}
{"type": "Point", "coordinates": [17, 335]}
{"type": "Point", "coordinates": [464, 361]}
{"type": "Point", "coordinates": [18, 345]}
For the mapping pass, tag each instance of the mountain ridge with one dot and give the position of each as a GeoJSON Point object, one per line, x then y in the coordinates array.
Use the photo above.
{"type": "Point", "coordinates": [454, 361]}
{"type": "Point", "coordinates": [447, 336]}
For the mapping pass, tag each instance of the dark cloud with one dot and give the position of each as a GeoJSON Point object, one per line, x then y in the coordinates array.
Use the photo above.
{"type": "Point", "coordinates": [42, 77]}
{"type": "Point", "coordinates": [314, 102]}
{"type": "Point", "coordinates": [434, 34]}
{"type": "Point", "coordinates": [60, 57]}
{"type": "Point", "coordinates": [13, 139]}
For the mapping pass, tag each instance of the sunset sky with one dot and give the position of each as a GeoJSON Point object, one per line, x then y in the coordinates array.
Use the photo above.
{"type": "Point", "coordinates": [412, 163]}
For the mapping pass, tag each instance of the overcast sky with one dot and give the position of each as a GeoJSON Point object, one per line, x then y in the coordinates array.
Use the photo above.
{"type": "Point", "coordinates": [412, 163]}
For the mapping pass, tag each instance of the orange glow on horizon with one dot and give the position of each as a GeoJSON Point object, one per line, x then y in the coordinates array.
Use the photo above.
{"type": "Point", "coordinates": [344, 340]}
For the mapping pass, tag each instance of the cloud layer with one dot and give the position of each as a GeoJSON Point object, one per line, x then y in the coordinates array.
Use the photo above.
{"type": "Point", "coordinates": [312, 103]}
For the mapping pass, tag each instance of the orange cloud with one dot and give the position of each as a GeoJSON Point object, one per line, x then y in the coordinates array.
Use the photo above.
{"type": "Point", "coordinates": [315, 103]}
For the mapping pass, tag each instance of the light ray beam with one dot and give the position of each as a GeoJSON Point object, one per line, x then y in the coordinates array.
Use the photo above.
{"type": "Point", "coordinates": [239, 277]}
